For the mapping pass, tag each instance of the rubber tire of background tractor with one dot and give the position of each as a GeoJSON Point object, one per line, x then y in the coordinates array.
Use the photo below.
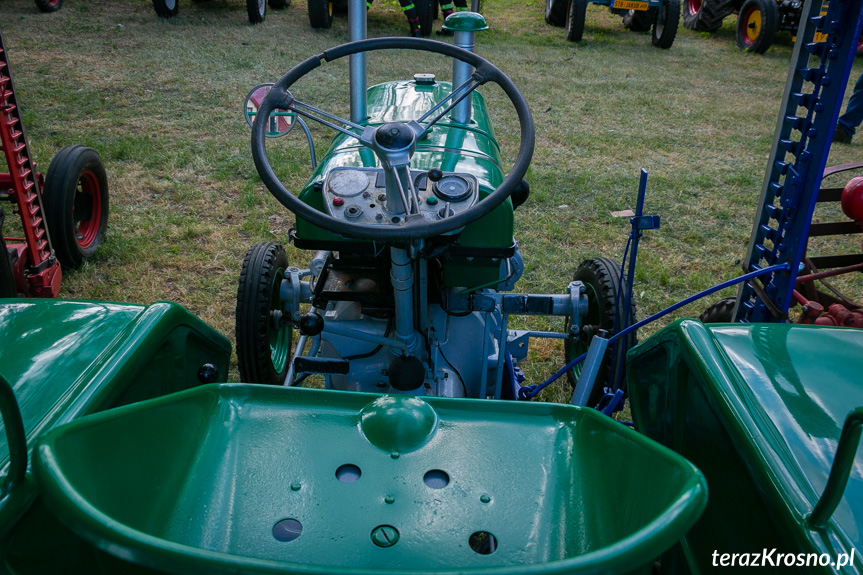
{"type": "Point", "coordinates": [720, 312]}
{"type": "Point", "coordinates": [600, 277]}
{"type": "Point", "coordinates": [75, 199]}
{"type": "Point", "coordinates": [706, 15]}
{"type": "Point", "coordinates": [320, 14]}
{"type": "Point", "coordinates": [279, 4]}
{"type": "Point", "coordinates": [638, 20]}
{"type": "Point", "coordinates": [425, 12]}
{"type": "Point", "coordinates": [49, 5]}
{"type": "Point", "coordinates": [664, 32]}
{"type": "Point", "coordinates": [257, 10]}
{"type": "Point", "coordinates": [753, 11]}
{"type": "Point", "coordinates": [575, 17]}
{"type": "Point", "coordinates": [555, 12]}
{"type": "Point", "coordinates": [166, 8]}
{"type": "Point", "coordinates": [7, 277]}
{"type": "Point", "coordinates": [263, 352]}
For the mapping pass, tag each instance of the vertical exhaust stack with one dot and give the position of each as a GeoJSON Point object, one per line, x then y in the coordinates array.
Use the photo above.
{"type": "Point", "coordinates": [357, 67]}
{"type": "Point", "coordinates": [464, 26]}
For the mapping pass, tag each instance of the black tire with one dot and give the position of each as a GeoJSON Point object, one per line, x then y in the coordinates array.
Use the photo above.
{"type": "Point", "coordinates": [320, 14]}
{"type": "Point", "coordinates": [425, 12]}
{"type": "Point", "coordinates": [720, 312]}
{"type": "Point", "coordinates": [638, 20]}
{"type": "Point", "coordinates": [257, 10]}
{"type": "Point", "coordinates": [7, 276]}
{"type": "Point", "coordinates": [665, 24]}
{"type": "Point", "coordinates": [166, 8]}
{"type": "Point", "coordinates": [263, 351]}
{"type": "Point", "coordinates": [600, 277]}
{"type": "Point", "coordinates": [49, 5]}
{"type": "Point", "coordinates": [575, 17]}
{"type": "Point", "coordinates": [75, 199]}
{"type": "Point", "coordinates": [279, 4]}
{"type": "Point", "coordinates": [757, 25]}
{"type": "Point", "coordinates": [555, 12]}
{"type": "Point", "coordinates": [706, 15]}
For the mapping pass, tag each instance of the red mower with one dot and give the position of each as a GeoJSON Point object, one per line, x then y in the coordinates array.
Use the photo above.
{"type": "Point", "coordinates": [63, 215]}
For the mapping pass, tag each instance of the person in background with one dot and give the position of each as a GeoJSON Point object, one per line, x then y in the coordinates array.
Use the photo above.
{"type": "Point", "coordinates": [853, 116]}
{"type": "Point", "coordinates": [446, 8]}
{"type": "Point", "coordinates": [410, 12]}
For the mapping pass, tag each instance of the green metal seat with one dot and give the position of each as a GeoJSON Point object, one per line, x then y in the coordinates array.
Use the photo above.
{"type": "Point", "coordinates": [258, 479]}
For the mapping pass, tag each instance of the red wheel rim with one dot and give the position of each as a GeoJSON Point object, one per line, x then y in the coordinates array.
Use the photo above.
{"type": "Point", "coordinates": [751, 26]}
{"type": "Point", "coordinates": [87, 209]}
{"type": "Point", "coordinates": [693, 6]}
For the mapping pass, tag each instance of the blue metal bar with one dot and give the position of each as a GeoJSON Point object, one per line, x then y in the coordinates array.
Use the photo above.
{"type": "Point", "coordinates": [816, 83]}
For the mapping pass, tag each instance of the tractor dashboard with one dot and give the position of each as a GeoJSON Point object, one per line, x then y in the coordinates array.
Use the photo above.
{"type": "Point", "coordinates": [359, 195]}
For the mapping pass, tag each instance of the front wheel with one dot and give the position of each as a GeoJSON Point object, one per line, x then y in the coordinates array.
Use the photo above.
{"type": "Point", "coordinates": [320, 14]}
{"type": "Point", "coordinates": [665, 24]}
{"type": "Point", "coordinates": [555, 12]}
{"type": "Point", "coordinates": [166, 8]}
{"type": "Point", "coordinates": [601, 278]}
{"type": "Point", "coordinates": [263, 338]}
{"type": "Point", "coordinates": [257, 10]}
{"type": "Point", "coordinates": [638, 20]}
{"type": "Point", "coordinates": [757, 25]}
{"type": "Point", "coordinates": [75, 199]}
{"type": "Point", "coordinates": [575, 17]}
{"type": "Point", "coordinates": [7, 276]}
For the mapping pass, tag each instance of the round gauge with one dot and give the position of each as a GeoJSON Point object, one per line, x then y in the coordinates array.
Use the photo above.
{"type": "Point", "coordinates": [348, 183]}
{"type": "Point", "coordinates": [452, 188]}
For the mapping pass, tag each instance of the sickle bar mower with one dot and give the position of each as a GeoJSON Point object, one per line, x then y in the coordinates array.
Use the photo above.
{"type": "Point", "coordinates": [41, 278]}
{"type": "Point", "coordinates": [74, 193]}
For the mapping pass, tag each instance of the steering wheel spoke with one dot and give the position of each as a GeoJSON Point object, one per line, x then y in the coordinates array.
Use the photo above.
{"type": "Point", "coordinates": [456, 96]}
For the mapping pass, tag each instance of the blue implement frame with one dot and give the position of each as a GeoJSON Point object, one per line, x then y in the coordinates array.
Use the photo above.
{"type": "Point", "coordinates": [820, 66]}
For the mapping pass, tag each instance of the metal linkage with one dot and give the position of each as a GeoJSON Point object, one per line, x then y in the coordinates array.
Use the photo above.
{"type": "Point", "coordinates": [43, 276]}
{"type": "Point", "coordinates": [819, 71]}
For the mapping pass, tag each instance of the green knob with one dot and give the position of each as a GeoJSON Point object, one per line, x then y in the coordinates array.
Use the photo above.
{"type": "Point", "coordinates": [465, 22]}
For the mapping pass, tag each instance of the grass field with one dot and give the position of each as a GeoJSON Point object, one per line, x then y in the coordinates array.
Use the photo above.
{"type": "Point", "coordinates": [162, 103]}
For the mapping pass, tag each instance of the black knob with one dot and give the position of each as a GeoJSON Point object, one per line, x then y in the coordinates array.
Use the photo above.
{"type": "Point", "coordinates": [394, 136]}
{"type": "Point", "coordinates": [208, 373]}
{"type": "Point", "coordinates": [311, 324]}
{"type": "Point", "coordinates": [435, 174]}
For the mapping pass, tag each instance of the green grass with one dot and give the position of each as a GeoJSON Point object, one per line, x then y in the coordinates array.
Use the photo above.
{"type": "Point", "coordinates": [161, 101]}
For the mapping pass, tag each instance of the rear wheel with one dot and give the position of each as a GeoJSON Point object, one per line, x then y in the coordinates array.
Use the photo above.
{"type": "Point", "coordinates": [75, 199]}
{"type": "Point", "coordinates": [706, 15]}
{"type": "Point", "coordinates": [665, 23]}
{"type": "Point", "coordinates": [600, 277]}
{"type": "Point", "coordinates": [555, 12]}
{"type": "Point", "coordinates": [757, 25]}
{"type": "Point", "coordinates": [320, 14]}
{"type": "Point", "coordinates": [263, 347]}
{"type": "Point", "coordinates": [165, 8]}
{"type": "Point", "coordinates": [257, 10]}
{"type": "Point", "coordinates": [720, 312]}
{"type": "Point", "coordinates": [575, 17]}
{"type": "Point", "coordinates": [49, 5]}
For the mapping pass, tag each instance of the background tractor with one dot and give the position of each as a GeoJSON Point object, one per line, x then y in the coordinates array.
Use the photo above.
{"type": "Point", "coordinates": [659, 16]}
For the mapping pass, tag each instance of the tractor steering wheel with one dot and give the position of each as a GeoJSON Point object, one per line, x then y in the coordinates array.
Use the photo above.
{"type": "Point", "coordinates": [414, 227]}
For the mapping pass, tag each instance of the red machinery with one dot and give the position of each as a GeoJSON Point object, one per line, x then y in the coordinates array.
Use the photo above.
{"type": "Point", "coordinates": [63, 216]}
